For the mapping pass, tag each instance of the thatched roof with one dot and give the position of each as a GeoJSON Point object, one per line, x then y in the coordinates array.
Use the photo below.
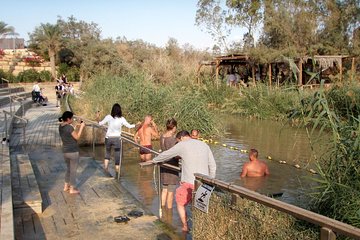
{"type": "Point", "coordinates": [327, 61]}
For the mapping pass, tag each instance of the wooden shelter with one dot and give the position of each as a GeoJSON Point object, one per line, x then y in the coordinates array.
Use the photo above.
{"type": "Point", "coordinates": [271, 71]}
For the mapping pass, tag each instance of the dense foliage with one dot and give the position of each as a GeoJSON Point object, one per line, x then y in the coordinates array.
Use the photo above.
{"type": "Point", "coordinates": [140, 97]}
{"type": "Point", "coordinates": [337, 111]}
{"type": "Point", "coordinates": [301, 27]}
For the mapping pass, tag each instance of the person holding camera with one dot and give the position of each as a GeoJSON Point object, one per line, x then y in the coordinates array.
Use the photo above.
{"type": "Point", "coordinates": [69, 137]}
{"type": "Point", "coordinates": [145, 133]}
{"type": "Point", "coordinates": [115, 121]}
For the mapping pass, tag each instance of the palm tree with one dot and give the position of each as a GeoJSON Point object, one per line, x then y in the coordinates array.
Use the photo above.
{"type": "Point", "coordinates": [5, 29]}
{"type": "Point", "coordinates": [48, 38]}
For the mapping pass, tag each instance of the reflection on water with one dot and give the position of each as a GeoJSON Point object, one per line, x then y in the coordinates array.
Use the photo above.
{"type": "Point", "coordinates": [269, 138]}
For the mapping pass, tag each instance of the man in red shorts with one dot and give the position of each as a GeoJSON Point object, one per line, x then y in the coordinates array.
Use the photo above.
{"type": "Point", "coordinates": [145, 133]}
{"type": "Point", "coordinates": [196, 158]}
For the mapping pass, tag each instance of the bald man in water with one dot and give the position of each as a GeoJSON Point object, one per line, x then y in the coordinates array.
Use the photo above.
{"type": "Point", "coordinates": [254, 168]}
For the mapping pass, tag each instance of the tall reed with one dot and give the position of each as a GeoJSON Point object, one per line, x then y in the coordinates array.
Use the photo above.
{"type": "Point", "coordinates": [138, 97]}
{"type": "Point", "coordinates": [338, 191]}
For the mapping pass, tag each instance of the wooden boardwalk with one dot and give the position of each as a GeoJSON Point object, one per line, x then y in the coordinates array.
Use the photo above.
{"type": "Point", "coordinates": [88, 215]}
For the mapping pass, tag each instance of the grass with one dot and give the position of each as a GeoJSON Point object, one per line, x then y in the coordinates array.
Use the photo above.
{"type": "Point", "coordinates": [139, 97]}
{"type": "Point", "coordinates": [245, 219]}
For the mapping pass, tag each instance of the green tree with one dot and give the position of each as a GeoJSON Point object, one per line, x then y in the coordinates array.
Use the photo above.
{"type": "Point", "coordinates": [289, 25]}
{"type": "Point", "coordinates": [337, 22]}
{"type": "Point", "coordinates": [247, 14]}
{"type": "Point", "coordinates": [5, 29]}
{"type": "Point", "coordinates": [213, 17]}
{"type": "Point", "coordinates": [48, 39]}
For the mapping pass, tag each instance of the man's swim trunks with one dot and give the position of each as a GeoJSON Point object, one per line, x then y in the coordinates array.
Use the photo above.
{"type": "Point", "coordinates": [145, 151]}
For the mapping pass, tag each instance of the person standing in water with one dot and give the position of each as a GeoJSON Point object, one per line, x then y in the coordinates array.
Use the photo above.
{"type": "Point", "coordinates": [169, 178]}
{"type": "Point", "coordinates": [254, 168]}
{"type": "Point", "coordinates": [114, 122]}
{"type": "Point", "coordinates": [69, 138]}
{"type": "Point", "coordinates": [147, 131]}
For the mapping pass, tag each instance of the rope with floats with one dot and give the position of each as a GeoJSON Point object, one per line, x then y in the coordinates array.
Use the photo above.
{"type": "Point", "coordinates": [211, 141]}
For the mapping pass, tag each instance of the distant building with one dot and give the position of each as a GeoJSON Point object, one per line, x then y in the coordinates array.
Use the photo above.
{"type": "Point", "coordinates": [8, 43]}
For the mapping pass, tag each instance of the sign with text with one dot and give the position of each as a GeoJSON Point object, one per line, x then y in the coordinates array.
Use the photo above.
{"type": "Point", "coordinates": [202, 197]}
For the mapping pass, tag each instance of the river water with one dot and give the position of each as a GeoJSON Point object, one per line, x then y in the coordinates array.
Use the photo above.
{"type": "Point", "coordinates": [280, 142]}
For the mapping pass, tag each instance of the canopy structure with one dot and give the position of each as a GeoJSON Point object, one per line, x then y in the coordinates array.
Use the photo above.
{"type": "Point", "coordinates": [272, 70]}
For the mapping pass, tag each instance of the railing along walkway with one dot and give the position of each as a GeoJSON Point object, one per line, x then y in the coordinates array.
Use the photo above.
{"type": "Point", "coordinates": [88, 215]}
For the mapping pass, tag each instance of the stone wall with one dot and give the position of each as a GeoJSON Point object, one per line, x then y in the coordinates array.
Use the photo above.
{"type": "Point", "coordinates": [14, 63]}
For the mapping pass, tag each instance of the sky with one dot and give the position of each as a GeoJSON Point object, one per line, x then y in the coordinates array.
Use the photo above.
{"type": "Point", "coordinates": [153, 21]}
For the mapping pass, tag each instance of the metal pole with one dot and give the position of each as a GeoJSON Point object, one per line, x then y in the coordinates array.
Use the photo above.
{"type": "Point", "coordinates": [6, 126]}
{"type": "Point", "coordinates": [10, 104]}
{"type": "Point", "coordinates": [159, 188]}
{"type": "Point", "coordinates": [93, 140]}
{"type": "Point", "coordinates": [121, 153]}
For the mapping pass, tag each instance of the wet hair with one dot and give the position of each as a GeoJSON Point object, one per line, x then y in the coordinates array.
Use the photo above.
{"type": "Point", "coordinates": [171, 124]}
{"type": "Point", "coordinates": [253, 152]}
{"type": "Point", "coordinates": [193, 131]}
{"type": "Point", "coordinates": [182, 133]}
{"type": "Point", "coordinates": [66, 115]}
{"type": "Point", "coordinates": [116, 111]}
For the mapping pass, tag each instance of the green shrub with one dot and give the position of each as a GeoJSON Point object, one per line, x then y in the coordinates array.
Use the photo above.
{"type": "Point", "coordinates": [28, 76]}
{"type": "Point", "coordinates": [45, 76]}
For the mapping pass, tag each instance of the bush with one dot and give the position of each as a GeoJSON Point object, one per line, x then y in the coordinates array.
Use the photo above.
{"type": "Point", "coordinates": [28, 76]}
{"type": "Point", "coordinates": [45, 76]}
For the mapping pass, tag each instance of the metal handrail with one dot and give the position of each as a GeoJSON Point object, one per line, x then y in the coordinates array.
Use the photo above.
{"type": "Point", "coordinates": [3, 79]}
{"type": "Point", "coordinates": [328, 225]}
{"type": "Point", "coordinates": [14, 116]}
{"type": "Point", "coordinates": [126, 138]}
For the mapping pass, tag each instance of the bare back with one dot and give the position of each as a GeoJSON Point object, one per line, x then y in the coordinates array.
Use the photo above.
{"type": "Point", "coordinates": [146, 133]}
{"type": "Point", "coordinates": [255, 169]}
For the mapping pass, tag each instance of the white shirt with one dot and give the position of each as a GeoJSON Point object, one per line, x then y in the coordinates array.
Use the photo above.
{"type": "Point", "coordinates": [114, 125]}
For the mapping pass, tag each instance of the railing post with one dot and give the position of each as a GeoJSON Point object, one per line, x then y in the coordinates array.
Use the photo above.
{"type": "Point", "coordinates": [24, 133]}
{"type": "Point", "coordinates": [10, 100]}
{"type": "Point", "coordinates": [158, 166]}
{"type": "Point", "coordinates": [6, 126]}
{"type": "Point", "coordinates": [327, 234]}
{"type": "Point", "coordinates": [93, 140]}
{"type": "Point", "coordinates": [120, 152]}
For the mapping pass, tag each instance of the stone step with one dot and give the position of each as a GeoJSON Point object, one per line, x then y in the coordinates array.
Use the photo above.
{"type": "Point", "coordinates": [6, 212]}
{"type": "Point", "coordinates": [29, 197]}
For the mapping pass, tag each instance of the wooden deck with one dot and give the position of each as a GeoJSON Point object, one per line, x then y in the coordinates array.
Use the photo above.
{"type": "Point", "coordinates": [88, 215]}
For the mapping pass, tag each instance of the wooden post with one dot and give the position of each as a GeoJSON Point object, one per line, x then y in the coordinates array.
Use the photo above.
{"type": "Point", "coordinates": [327, 234]}
{"type": "Point", "coordinates": [198, 74]}
{"type": "Point", "coordinates": [341, 70]}
{"type": "Point", "coordinates": [300, 72]}
{"type": "Point", "coordinates": [269, 75]}
{"type": "Point", "coordinates": [253, 75]}
{"type": "Point", "coordinates": [353, 69]}
{"type": "Point", "coordinates": [217, 73]}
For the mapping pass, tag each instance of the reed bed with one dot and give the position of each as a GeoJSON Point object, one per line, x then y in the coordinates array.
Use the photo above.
{"type": "Point", "coordinates": [138, 97]}
{"type": "Point", "coordinates": [245, 219]}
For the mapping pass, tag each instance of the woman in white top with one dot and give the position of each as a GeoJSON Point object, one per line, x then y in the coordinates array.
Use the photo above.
{"type": "Point", "coordinates": [114, 122]}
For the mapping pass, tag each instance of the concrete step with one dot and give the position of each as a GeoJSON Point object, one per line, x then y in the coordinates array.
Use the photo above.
{"type": "Point", "coordinates": [28, 198]}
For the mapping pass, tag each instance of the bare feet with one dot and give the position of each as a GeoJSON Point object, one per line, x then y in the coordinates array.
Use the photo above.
{"type": "Point", "coordinates": [66, 187]}
{"type": "Point", "coordinates": [185, 228]}
{"type": "Point", "coordinates": [74, 191]}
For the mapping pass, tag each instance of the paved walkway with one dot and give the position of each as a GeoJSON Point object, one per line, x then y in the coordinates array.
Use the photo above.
{"type": "Point", "coordinates": [88, 215]}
